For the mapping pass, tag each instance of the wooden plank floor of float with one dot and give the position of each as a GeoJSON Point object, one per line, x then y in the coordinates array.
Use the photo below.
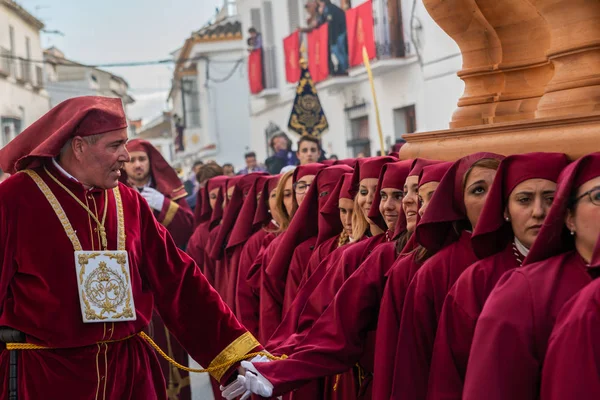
{"type": "Point", "coordinates": [574, 135]}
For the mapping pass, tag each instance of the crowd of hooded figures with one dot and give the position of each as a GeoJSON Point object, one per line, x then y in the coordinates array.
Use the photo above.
{"type": "Point", "coordinates": [413, 279]}
{"type": "Point", "coordinates": [375, 278]}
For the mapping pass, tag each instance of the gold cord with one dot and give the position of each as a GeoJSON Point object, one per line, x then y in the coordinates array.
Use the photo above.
{"type": "Point", "coordinates": [86, 208]}
{"type": "Point", "coordinates": [227, 365]}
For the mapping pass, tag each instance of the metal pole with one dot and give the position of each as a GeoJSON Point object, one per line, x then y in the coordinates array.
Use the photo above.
{"type": "Point", "coordinates": [378, 118]}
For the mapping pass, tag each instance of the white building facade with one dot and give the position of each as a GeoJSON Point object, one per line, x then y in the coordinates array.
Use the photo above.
{"type": "Point", "coordinates": [66, 79]}
{"type": "Point", "coordinates": [209, 95]}
{"type": "Point", "coordinates": [414, 76]}
{"type": "Point", "coordinates": [23, 98]}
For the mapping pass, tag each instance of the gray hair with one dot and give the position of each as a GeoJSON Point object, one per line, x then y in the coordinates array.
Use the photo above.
{"type": "Point", "coordinates": [92, 139]}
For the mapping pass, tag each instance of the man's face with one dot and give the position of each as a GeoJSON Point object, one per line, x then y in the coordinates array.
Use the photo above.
{"type": "Point", "coordinates": [138, 168]}
{"type": "Point", "coordinates": [308, 153]}
{"type": "Point", "coordinates": [101, 162]}
{"type": "Point", "coordinates": [228, 170]}
{"type": "Point", "coordinates": [251, 162]}
{"type": "Point", "coordinates": [252, 35]}
{"type": "Point", "coordinates": [279, 143]}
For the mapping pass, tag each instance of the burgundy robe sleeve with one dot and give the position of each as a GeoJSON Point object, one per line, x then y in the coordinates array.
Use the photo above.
{"type": "Point", "coordinates": [390, 315]}
{"type": "Point", "coordinates": [337, 339]}
{"type": "Point", "coordinates": [503, 364]}
{"type": "Point", "coordinates": [180, 290]}
{"type": "Point", "coordinates": [271, 296]}
{"type": "Point", "coordinates": [247, 301]}
{"type": "Point", "coordinates": [300, 259]}
{"type": "Point", "coordinates": [415, 340]}
{"type": "Point", "coordinates": [572, 364]}
{"type": "Point", "coordinates": [177, 217]}
{"type": "Point", "coordinates": [7, 254]}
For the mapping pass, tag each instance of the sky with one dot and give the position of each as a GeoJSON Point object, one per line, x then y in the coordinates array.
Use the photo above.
{"type": "Point", "coordinates": [98, 32]}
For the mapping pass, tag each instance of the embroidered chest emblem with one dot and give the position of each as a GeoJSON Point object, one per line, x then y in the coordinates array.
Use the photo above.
{"type": "Point", "coordinates": [104, 285]}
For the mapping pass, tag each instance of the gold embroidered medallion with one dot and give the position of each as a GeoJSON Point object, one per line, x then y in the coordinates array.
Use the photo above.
{"type": "Point", "coordinates": [104, 284]}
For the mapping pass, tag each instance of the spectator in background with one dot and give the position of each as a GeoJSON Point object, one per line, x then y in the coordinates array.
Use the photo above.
{"type": "Point", "coordinates": [283, 154]}
{"type": "Point", "coordinates": [228, 169]}
{"type": "Point", "coordinates": [338, 37]}
{"type": "Point", "coordinates": [309, 150]}
{"type": "Point", "coordinates": [210, 170]}
{"type": "Point", "coordinates": [312, 22]}
{"type": "Point", "coordinates": [251, 164]}
{"type": "Point", "coordinates": [334, 157]}
{"type": "Point", "coordinates": [255, 41]}
{"type": "Point", "coordinates": [192, 185]}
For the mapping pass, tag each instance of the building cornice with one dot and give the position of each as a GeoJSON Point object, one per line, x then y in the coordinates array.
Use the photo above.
{"type": "Point", "coordinates": [24, 14]}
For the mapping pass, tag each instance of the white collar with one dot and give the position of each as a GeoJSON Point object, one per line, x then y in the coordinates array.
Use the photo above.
{"type": "Point", "coordinates": [521, 247]}
{"type": "Point", "coordinates": [62, 170]}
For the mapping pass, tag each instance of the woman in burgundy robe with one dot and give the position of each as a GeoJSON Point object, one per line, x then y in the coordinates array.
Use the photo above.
{"type": "Point", "coordinates": [398, 277]}
{"type": "Point", "coordinates": [212, 206]}
{"type": "Point", "coordinates": [572, 366]}
{"type": "Point", "coordinates": [300, 239]}
{"type": "Point", "coordinates": [247, 300]}
{"type": "Point", "coordinates": [213, 254]}
{"type": "Point", "coordinates": [514, 212]}
{"type": "Point", "coordinates": [511, 336]}
{"type": "Point", "coordinates": [239, 215]}
{"type": "Point", "coordinates": [365, 178]}
{"type": "Point", "coordinates": [391, 180]}
{"type": "Point", "coordinates": [274, 273]}
{"type": "Point", "coordinates": [453, 212]}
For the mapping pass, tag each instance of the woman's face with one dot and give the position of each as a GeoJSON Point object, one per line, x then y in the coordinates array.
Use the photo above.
{"type": "Point", "coordinates": [288, 193]}
{"type": "Point", "coordinates": [212, 196]}
{"type": "Point", "coordinates": [477, 186]}
{"type": "Point", "coordinates": [528, 205]}
{"type": "Point", "coordinates": [410, 203]}
{"type": "Point", "coordinates": [273, 204]}
{"type": "Point", "coordinates": [230, 193]}
{"type": "Point", "coordinates": [584, 219]}
{"type": "Point", "coordinates": [390, 206]}
{"type": "Point", "coordinates": [366, 194]}
{"type": "Point", "coordinates": [346, 207]}
{"type": "Point", "coordinates": [301, 187]}
{"type": "Point", "coordinates": [425, 194]}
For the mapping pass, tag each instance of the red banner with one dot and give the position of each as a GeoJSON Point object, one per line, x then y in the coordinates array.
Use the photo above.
{"type": "Point", "coordinates": [359, 21]}
{"type": "Point", "coordinates": [318, 53]}
{"type": "Point", "coordinates": [255, 71]}
{"type": "Point", "coordinates": [291, 49]}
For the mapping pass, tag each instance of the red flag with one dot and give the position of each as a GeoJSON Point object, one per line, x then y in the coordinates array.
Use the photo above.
{"type": "Point", "coordinates": [291, 49]}
{"type": "Point", "coordinates": [255, 71]}
{"type": "Point", "coordinates": [359, 21]}
{"type": "Point", "coordinates": [318, 53]}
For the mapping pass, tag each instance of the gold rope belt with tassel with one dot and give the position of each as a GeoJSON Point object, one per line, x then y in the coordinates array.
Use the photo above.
{"type": "Point", "coordinates": [227, 365]}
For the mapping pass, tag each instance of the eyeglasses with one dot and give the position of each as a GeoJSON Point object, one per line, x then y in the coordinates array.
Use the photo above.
{"type": "Point", "coordinates": [301, 187]}
{"type": "Point", "coordinates": [593, 194]}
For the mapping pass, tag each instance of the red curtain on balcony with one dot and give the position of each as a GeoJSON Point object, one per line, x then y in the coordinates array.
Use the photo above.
{"type": "Point", "coordinates": [291, 49]}
{"type": "Point", "coordinates": [318, 53]}
{"type": "Point", "coordinates": [359, 21]}
{"type": "Point", "coordinates": [255, 71]}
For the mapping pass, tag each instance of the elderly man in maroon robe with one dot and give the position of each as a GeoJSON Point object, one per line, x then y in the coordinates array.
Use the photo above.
{"type": "Point", "coordinates": [83, 264]}
{"type": "Point", "coordinates": [159, 184]}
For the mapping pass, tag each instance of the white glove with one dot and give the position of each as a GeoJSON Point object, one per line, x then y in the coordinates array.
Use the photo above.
{"type": "Point", "coordinates": [154, 198]}
{"type": "Point", "coordinates": [254, 382]}
{"type": "Point", "coordinates": [237, 387]}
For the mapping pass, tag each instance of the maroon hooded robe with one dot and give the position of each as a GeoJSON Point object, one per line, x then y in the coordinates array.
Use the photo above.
{"type": "Point", "coordinates": [511, 336]}
{"type": "Point", "coordinates": [428, 288]}
{"type": "Point", "coordinates": [493, 242]}
{"type": "Point", "coordinates": [572, 366]}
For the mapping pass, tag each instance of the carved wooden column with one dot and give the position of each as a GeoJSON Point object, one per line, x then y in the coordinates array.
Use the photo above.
{"type": "Point", "coordinates": [575, 52]}
{"type": "Point", "coordinates": [481, 52]}
{"type": "Point", "coordinates": [525, 37]}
